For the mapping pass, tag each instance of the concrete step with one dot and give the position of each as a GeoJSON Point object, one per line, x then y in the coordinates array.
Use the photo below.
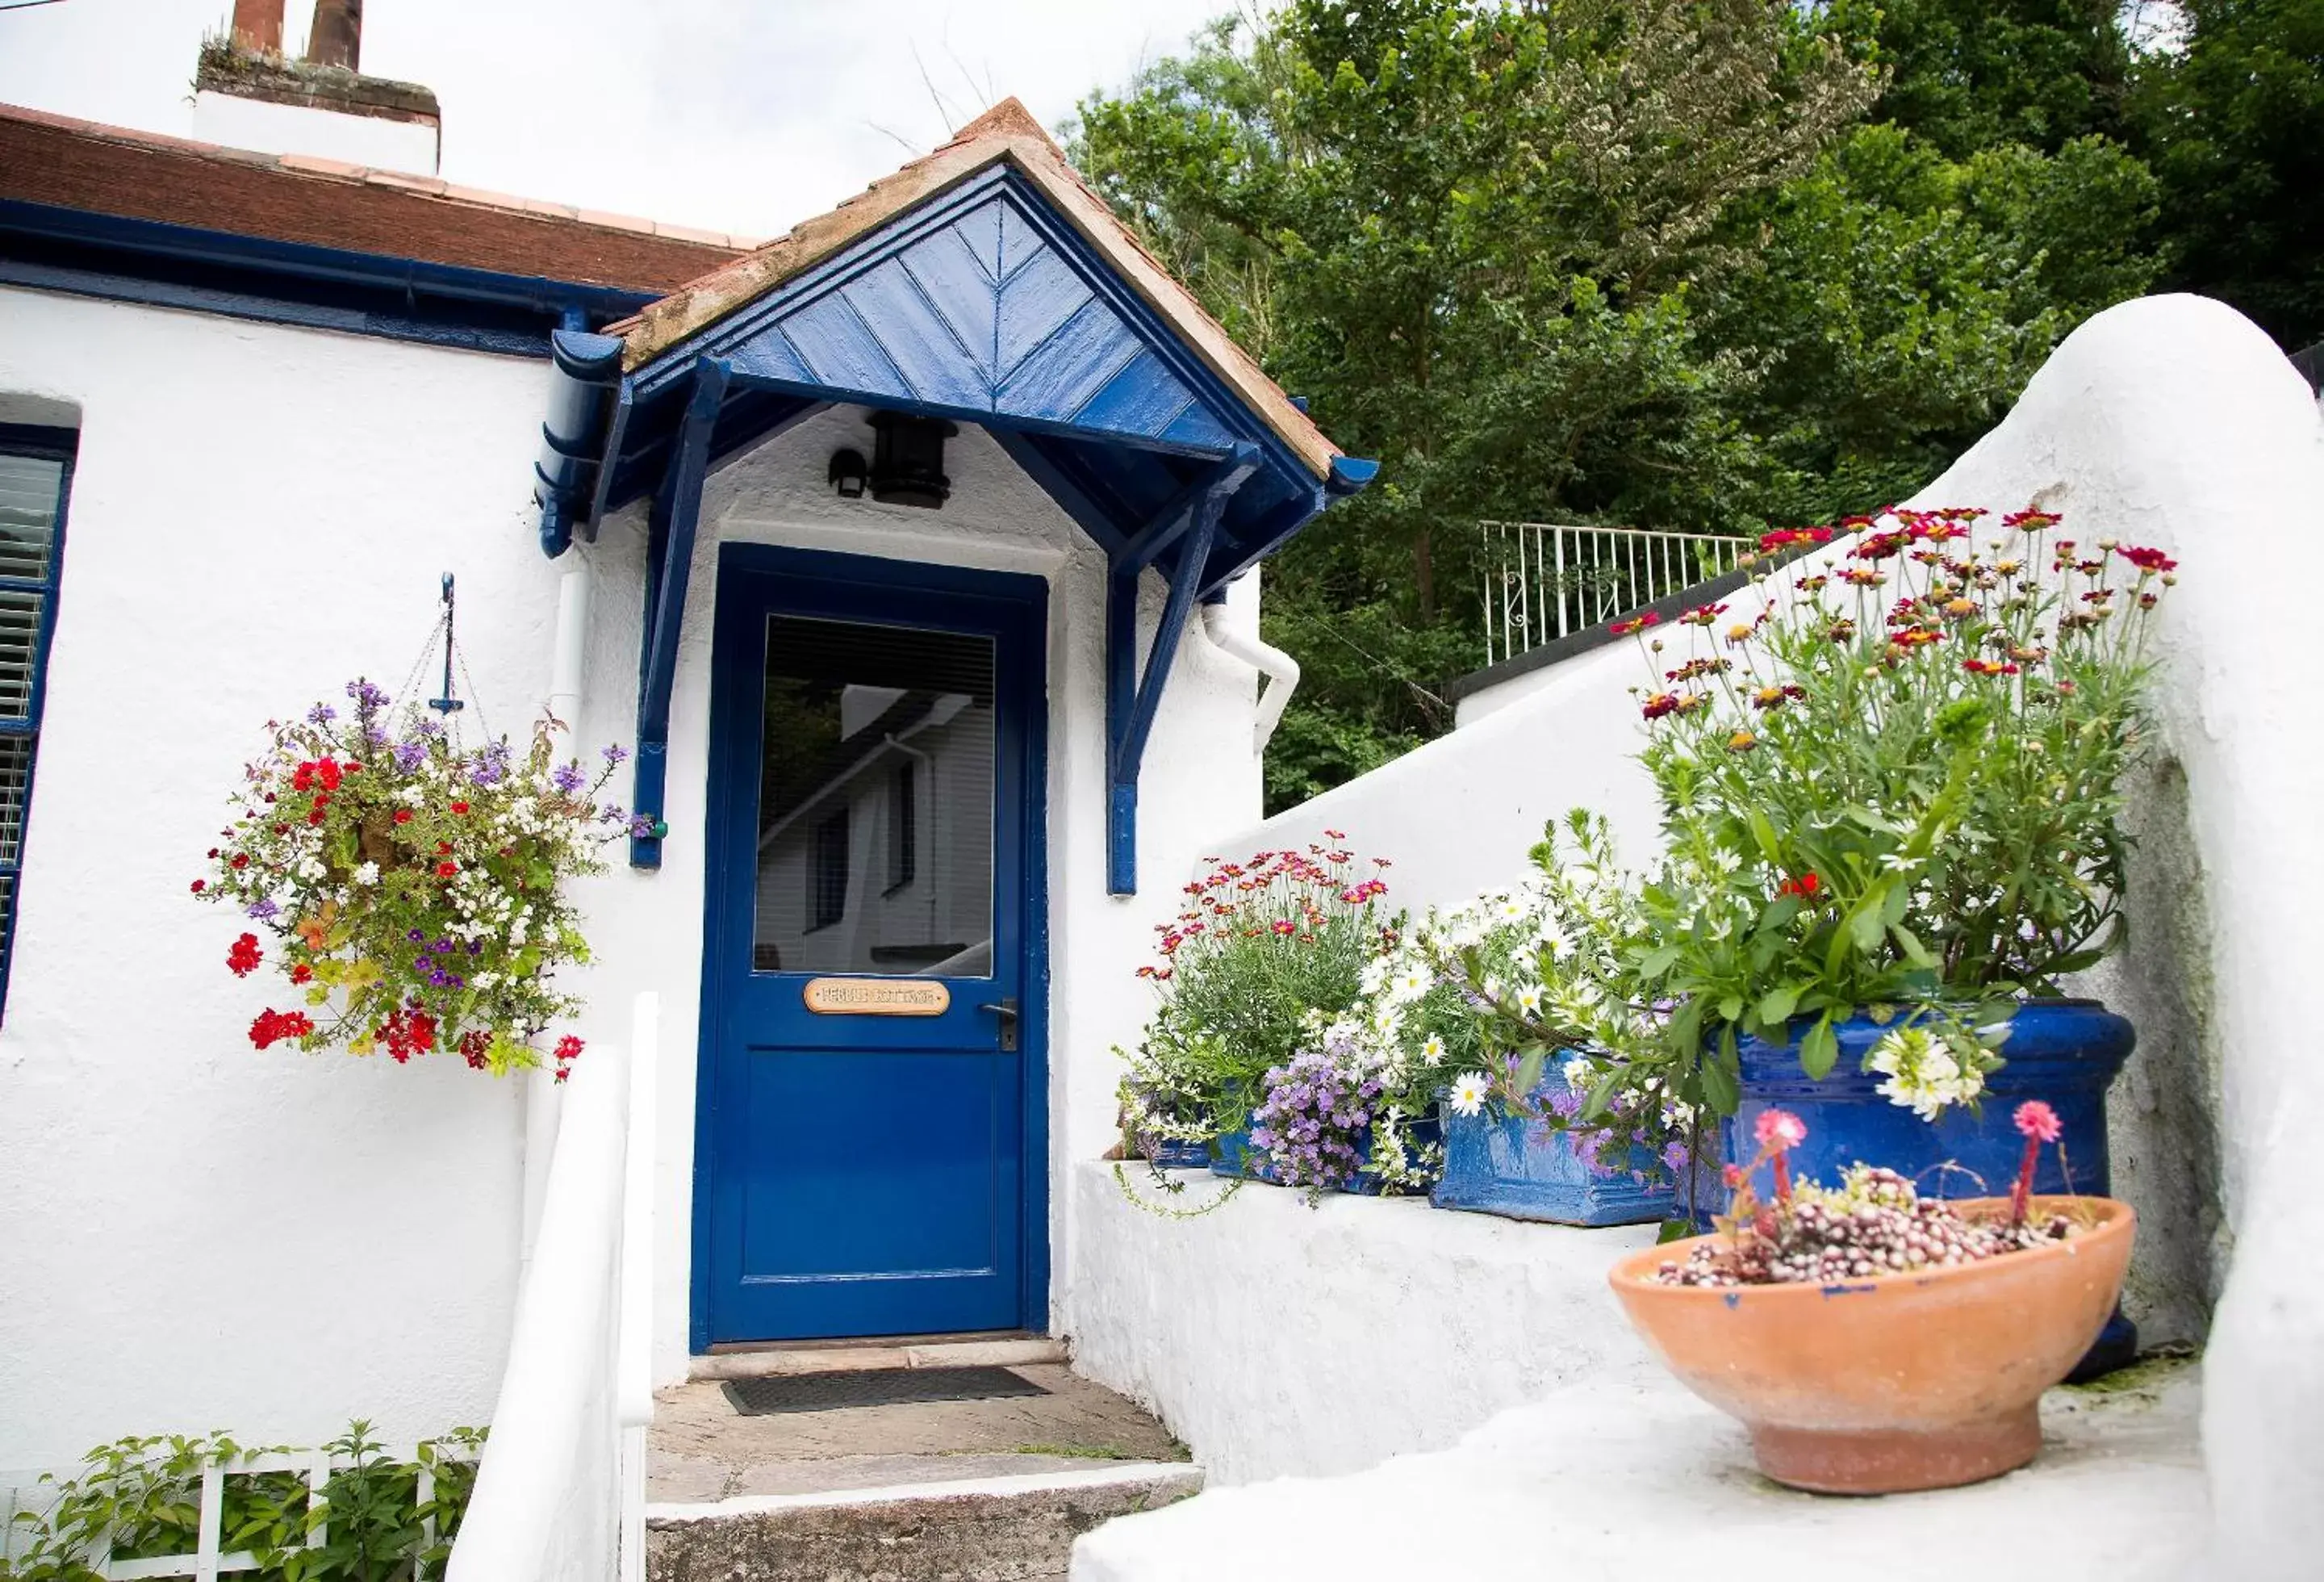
{"type": "Point", "coordinates": [1016, 1528]}
{"type": "Point", "coordinates": [936, 1491]}
{"type": "Point", "coordinates": [864, 1356]}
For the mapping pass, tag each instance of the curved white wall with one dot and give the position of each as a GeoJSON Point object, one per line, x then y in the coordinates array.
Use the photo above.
{"type": "Point", "coordinates": [2173, 422]}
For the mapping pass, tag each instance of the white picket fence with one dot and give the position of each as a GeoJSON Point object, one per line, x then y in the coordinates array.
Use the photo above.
{"type": "Point", "coordinates": [22, 1493]}
{"type": "Point", "coordinates": [1546, 580]}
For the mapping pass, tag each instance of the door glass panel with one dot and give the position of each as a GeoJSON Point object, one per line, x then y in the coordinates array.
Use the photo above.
{"type": "Point", "coordinates": [875, 801]}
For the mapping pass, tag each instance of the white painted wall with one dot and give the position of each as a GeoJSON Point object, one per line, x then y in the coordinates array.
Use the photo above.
{"type": "Point", "coordinates": [231, 121]}
{"type": "Point", "coordinates": [1280, 1340]}
{"type": "Point", "coordinates": [197, 1234]}
{"type": "Point", "coordinates": [2173, 422]}
{"type": "Point", "coordinates": [200, 1234]}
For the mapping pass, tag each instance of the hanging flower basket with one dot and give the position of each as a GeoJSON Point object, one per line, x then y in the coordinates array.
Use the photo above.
{"type": "Point", "coordinates": [414, 889]}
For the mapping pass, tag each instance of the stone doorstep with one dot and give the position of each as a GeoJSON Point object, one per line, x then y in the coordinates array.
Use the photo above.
{"type": "Point", "coordinates": [1001, 1529]}
{"type": "Point", "coordinates": [855, 1358]}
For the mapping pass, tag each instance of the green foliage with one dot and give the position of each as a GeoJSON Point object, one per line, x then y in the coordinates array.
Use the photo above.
{"type": "Point", "coordinates": [2232, 123]}
{"type": "Point", "coordinates": [140, 1498]}
{"type": "Point", "coordinates": [1645, 264]}
{"type": "Point", "coordinates": [1261, 955]}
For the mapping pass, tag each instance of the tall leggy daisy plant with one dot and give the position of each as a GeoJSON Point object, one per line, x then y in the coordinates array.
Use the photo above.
{"type": "Point", "coordinates": [1890, 783]}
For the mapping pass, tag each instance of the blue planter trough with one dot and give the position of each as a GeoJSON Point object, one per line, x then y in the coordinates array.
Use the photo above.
{"type": "Point", "coordinates": [1166, 1155]}
{"type": "Point", "coordinates": [2064, 1052]}
{"type": "Point", "coordinates": [1521, 1169]}
{"type": "Point", "coordinates": [1236, 1157]}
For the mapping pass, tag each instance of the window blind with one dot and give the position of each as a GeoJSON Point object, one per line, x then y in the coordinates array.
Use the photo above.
{"type": "Point", "coordinates": [35, 470]}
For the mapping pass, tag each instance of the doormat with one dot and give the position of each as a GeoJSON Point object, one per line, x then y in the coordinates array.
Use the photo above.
{"type": "Point", "coordinates": [875, 1387]}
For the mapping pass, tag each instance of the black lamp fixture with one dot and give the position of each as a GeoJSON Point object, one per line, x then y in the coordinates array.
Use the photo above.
{"type": "Point", "coordinates": [907, 460]}
{"type": "Point", "coordinates": [847, 474]}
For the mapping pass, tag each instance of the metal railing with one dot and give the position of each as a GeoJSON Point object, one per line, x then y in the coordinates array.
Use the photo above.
{"type": "Point", "coordinates": [1544, 580]}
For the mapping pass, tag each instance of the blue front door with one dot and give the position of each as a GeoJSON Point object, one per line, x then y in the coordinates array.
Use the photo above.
{"type": "Point", "coordinates": [870, 1156]}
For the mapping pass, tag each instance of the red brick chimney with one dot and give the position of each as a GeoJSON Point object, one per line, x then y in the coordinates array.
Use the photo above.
{"type": "Point", "coordinates": [258, 26]}
{"type": "Point", "coordinates": [335, 36]}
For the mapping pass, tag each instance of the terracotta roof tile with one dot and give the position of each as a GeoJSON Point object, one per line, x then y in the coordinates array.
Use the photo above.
{"type": "Point", "coordinates": [330, 203]}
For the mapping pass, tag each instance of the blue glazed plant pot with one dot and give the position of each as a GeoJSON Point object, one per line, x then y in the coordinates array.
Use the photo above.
{"type": "Point", "coordinates": [1168, 1155]}
{"type": "Point", "coordinates": [2064, 1052]}
{"type": "Point", "coordinates": [1236, 1157]}
{"type": "Point", "coordinates": [1521, 1169]}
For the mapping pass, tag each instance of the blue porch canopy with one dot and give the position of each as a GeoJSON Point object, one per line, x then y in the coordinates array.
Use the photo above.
{"type": "Point", "coordinates": [985, 284]}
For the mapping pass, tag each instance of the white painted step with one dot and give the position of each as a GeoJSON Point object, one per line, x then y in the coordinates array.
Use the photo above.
{"type": "Point", "coordinates": [1617, 1479]}
{"type": "Point", "coordinates": [857, 1357]}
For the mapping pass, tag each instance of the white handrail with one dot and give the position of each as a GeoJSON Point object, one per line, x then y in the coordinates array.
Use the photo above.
{"type": "Point", "coordinates": [555, 1490]}
{"type": "Point", "coordinates": [633, 1388]}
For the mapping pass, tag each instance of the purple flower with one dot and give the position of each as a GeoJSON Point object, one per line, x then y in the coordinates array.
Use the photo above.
{"type": "Point", "coordinates": [614, 754]}
{"type": "Point", "coordinates": [416, 937]}
{"type": "Point", "coordinates": [407, 754]}
{"type": "Point", "coordinates": [641, 826]}
{"type": "Point", "coordinates": [263, 908]}
{"type": "Point", "coordinates": [322, 713]}
{"type": "Point", "coordinates": [366, 695]}
{"type": "Point", "coordinates": [568, 778]}
{"type": "Point", "coordinates": [491, 765]}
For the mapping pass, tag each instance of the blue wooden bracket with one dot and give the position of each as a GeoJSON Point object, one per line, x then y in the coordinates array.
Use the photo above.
{"type": "Point", "coordinates": [669, 556]}
{"type": "Point", "coordinates": [1190, 522]}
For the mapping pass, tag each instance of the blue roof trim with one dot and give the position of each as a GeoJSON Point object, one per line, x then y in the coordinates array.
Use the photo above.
{"type": "Point", "coordinates": [52, 248]}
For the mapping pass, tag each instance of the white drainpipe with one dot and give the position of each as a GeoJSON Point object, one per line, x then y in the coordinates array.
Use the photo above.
{"type": "Point", "coordinates": [1281, 670]}
{"type": "Point", "coordinates": [565, 698]}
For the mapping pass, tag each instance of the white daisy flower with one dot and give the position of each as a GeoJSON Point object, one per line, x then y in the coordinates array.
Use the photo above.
{"type": "Point", "coordinates": [1529, 1000]}
{"type": "Point", "coordinates": [367, 875]}
{"type": "Point", "coordinates": [1433, 1050]}
{"type": "Point", "coordinates": [1469, 1091]}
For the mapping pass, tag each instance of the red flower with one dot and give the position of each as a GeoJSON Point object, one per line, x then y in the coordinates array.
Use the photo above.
{"type": "Point", "coordinates": [1703, 615]}
{"type": "Point", "coordinates": [1635, 623]}
{"type": "Point", "coordinates": [1284, 926]}
{"type": "Point", "coordinates": [1659, 704]}
{"type": "Point", "coordinates": [1780, 1130]}
{"type": "Point", "coordinates": [443, 849]}
{"type": "Point", "coordinates": [2149, 559]}
{"type": "Point", "coordinates": [240, 860]}
{"type": "Point", "coordinates": [241, 958]}
{"type": "Point", "coordinates": [473, 1043]}
{"type": "Point", "coordinates": [302, 973]}
{"type": "Point", "coordinates": [328, 773]}
{"type": "Point", "coordinates": [446, 870]}
{"type": "Point", "coordinates": [1785, 538]}
{"type": "Point", "coordinates": [2038, 1122]}
{"type": "Point", "coordinates": [1807, 886]}
{"type": "Point", "coordinates": [459, 806]}
{"type": "Point", "coordinates": [271, 1026]}
{"type": "Point", "coordinates": [200, 885]}
{"type": "Point", "coordinates": [316, 816]}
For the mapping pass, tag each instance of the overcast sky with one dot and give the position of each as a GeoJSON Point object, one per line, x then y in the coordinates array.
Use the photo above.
{"type": "Point", "coordinates": [742, 116]}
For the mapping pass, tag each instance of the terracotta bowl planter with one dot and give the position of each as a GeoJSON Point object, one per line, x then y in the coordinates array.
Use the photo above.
{"type": "Point", "coordinates": [1896, 1382]}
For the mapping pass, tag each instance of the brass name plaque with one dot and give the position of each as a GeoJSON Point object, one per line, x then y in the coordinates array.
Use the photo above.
{"type": "Point", "coordinates": [877, 996]}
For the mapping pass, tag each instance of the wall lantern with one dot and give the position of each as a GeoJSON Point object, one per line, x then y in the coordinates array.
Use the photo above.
{"type": "Point", "coordinates": [847, 474]}
{"type": "Point", "coordinates": [907, 460]}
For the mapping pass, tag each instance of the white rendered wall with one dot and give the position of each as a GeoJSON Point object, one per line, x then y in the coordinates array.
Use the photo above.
{"type": "Point", "coordinates": [378, 142]}
{"type": "Point", "coordinates": [198, 1235]}
{"type": "Point", "coordinates": [2172, 422]}
{"type": "Point", "coordinates": [1278, 1339]}
{"type": "Point", "coordinates": [204, 1235]}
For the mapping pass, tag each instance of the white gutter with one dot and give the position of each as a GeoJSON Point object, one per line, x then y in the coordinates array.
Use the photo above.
{"type": "Point", "coordinates": [1281, 670]}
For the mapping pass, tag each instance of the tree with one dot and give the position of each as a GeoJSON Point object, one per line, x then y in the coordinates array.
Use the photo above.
{"type": "Point", "coordinates": [2233, 122]}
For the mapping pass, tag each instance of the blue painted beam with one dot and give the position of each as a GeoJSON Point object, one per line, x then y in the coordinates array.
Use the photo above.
{"type": "Point", "coordinates": [1166, 526]}
{"type": "Point", "coordinates": [681, 511]}
{"type": "Point", "coordinates": [1132, 701]}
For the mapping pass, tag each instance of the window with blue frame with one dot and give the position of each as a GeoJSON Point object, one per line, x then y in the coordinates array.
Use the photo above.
{"type": "Point", "coordinates": [36, 478]}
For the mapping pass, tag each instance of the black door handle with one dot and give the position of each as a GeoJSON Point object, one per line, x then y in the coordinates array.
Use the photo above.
{"type": "Point", "coordinates": [1006, 1010]}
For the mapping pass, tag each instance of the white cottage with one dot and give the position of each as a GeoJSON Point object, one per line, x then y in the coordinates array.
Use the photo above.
{"type": "Point", "coordinates": [913, 554]}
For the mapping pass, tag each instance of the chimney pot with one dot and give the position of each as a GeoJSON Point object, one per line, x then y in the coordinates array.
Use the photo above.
{"type": "Point", "coordinates": [258, 26]}
{"type": "Point", "coordinates": [335, 36]}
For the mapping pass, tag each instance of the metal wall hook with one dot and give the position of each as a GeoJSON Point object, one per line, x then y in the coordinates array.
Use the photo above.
{"type": "Point", "coordinates": [447, 704]}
